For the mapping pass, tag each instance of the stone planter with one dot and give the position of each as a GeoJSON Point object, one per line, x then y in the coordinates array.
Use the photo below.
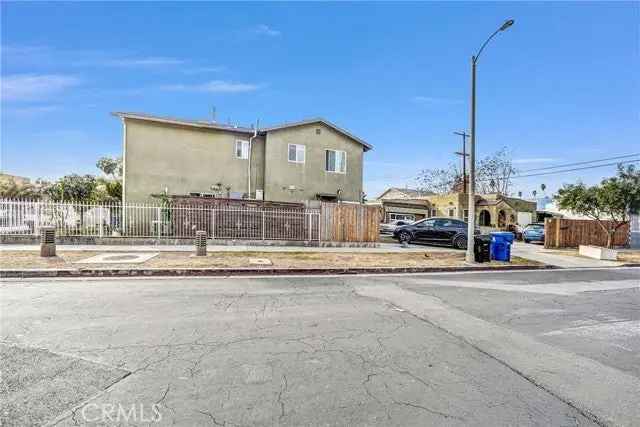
{"type": "Point", "coordinates": [598, 252]}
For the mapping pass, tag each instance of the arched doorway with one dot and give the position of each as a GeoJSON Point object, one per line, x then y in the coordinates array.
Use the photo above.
{"type": "Point", "coordinates": [502, 219]}
{"type": "Point", "coordinates": [485, 218]}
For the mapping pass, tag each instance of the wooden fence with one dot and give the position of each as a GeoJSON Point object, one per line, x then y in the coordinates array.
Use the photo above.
{"type": "Point", "coordinates": [570, 233]}
{"type": "Point", "coordinates": [345, 222]}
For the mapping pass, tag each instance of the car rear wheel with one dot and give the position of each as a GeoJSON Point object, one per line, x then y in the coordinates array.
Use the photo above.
{"type": "Point", "coordinates": [460, 242]}
{"type": "Point", "coordinates": [404, 236]}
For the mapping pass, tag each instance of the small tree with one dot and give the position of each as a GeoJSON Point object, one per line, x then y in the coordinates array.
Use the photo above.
{"type": "Point", "coordinates": [110, 166]}
{"type": "Point", "coordinates": [73, 187]}
{"type": "Point", "coordinates": [609, 203]}
{"type": "Point", "coordinates": [493, 175]}
{"type": "Point", "coordinates": [439, 181]}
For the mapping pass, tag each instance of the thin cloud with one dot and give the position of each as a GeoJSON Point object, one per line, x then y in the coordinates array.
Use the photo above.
{"type": "Point", "coordinates": [33, 110]}
{"type": "Point", "coordinates": [203, 70]}
{"type": "Point", "coordinates": [213, 86]}
{"type": "Point", "coordinates": [265, 30]}
{"type": "Point", "coordinates": [534, 160]}
{"type": "Point", "coordinates": [27, 87]}
{"type": "Point", "coordinates": [436, 101]}
{"type": "Point", "coordinates": [132, 62]}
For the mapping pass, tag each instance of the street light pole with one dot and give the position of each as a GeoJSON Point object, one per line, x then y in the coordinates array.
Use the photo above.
{"type": "Point", "coordinates": [471, 223]}
{"type": "Point", "coordinates": [471, 217]}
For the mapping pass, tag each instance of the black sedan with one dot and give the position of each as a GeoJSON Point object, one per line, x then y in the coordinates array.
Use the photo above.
{"type": "Point", "coordinates": [441, 231]}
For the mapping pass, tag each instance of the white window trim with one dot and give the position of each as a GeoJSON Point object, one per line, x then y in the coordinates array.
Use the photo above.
{"type": "Point", "coordinates": [235, 149]}
{"type": "Point", "coordinates": [345, 161]}
{"type": "Point", "coordinates": [304, 150]}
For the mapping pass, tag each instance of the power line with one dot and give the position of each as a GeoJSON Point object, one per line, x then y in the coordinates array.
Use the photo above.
{"type": "Point", "coordinates": [581, 163]}
{"type": "Point", "coordinates": [577, 169]}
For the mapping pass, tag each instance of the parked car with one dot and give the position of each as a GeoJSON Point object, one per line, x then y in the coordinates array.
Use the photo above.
{"type": "Point", "coordinates": [441, 231]}
{"type": "Point", "coordinates": [533, 233]}
{"type": "Point", "coordinates": [390, 227]}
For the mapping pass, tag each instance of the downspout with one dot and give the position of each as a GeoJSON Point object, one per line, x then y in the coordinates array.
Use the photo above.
{"type": "Point", "coordinates": [255, 134]}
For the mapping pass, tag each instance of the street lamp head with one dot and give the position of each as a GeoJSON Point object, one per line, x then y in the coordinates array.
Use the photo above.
{"type": "Point", "coordinates": [507, 24]}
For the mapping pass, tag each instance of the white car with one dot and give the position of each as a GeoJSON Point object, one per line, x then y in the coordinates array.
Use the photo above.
{"type": "Point", "coordinates": [390, 227]}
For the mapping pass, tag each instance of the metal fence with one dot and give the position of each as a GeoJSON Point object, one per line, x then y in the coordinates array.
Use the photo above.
{"type": "Point", "coordinates": [19, 217]}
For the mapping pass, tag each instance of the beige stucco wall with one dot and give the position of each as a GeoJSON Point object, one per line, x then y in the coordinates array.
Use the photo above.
{"type": "Point", "coordinates": [310, 178]}
{"type": "Point", "coordinates": [185, 159]}
{"type": "Point", "coordinates": [443, 202]}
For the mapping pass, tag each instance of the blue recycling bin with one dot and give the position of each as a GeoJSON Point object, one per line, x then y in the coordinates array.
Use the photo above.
{"type": "Point", "coordinates": [501, 245]}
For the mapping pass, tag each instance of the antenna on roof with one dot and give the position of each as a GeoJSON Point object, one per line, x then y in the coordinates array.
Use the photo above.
{"type": "Point", "coordinates": [213, 114]}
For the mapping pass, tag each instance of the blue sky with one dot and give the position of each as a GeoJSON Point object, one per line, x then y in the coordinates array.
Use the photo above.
{"type": "Point", "coordinates": [562, 85]}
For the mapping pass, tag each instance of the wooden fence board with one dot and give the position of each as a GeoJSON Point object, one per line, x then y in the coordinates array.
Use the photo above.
{"type": "Point", "coordinates": [342, 222]}
{"type": "Point", "coordinates": [570, 233]}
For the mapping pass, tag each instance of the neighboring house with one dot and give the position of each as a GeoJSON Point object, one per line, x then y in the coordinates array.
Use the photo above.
{"type": "Point", "coordinates": [492, 210]}
{"type": "Point", "coordinates": [307, 160]}
{"type": "Point", "coordinates": [395, 193]}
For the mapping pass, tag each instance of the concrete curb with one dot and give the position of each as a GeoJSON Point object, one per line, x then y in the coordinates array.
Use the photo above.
{"type": "Point", "coordinates": [213, 272]}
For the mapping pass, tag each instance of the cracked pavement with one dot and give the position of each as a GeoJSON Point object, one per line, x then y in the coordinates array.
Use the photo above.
{"type": "Point", "coordinates": [309, 350]}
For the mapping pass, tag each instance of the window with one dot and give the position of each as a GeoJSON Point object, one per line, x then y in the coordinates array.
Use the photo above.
{"type": "Point", "coordinates": [401, 217]}
{"type": "Point", "coordinates": [336, 161]}
{"type": "Point", "coordinates": [433, 212]}
{"type": "Point", "coordinates": [466, 215]}
{"type": "Point", "coordinates": [318, 131]}
{"type": "Point", "coordinates": [444, 223]}
{"type": "Point", "coordinates": [452, 212]}
{"type": "Point", "coordinates": [296, 153]}
{"type": "Point", "coordinates": [242, 149]}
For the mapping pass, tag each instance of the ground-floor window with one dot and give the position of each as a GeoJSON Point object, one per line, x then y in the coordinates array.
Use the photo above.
{"type": "Point", "coordinates": [452, 212]}
{"type": "Point", "coordinates": [400, 217]}
{"type": "Point", "coordinates": [466, 215]}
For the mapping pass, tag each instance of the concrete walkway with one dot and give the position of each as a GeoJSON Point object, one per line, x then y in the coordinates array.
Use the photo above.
{"type": "Point", "coordinates": [537, 252]}
{"type": "Point", "coordinates": [382, 248]}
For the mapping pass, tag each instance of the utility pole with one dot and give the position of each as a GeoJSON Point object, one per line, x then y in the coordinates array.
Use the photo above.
{"type": "Point", "coordinates": [464, 155]}
{"type": "Point", "coordinates": [472, 149]}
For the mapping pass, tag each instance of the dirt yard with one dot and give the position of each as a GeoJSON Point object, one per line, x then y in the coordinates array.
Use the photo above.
{"type": "Point", "coordinates": [68, 259]}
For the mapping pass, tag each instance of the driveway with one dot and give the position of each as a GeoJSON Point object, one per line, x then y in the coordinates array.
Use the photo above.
{"type": "Point", "coordinates": [537, 252]}
{"type": "Point", "coordinates": [511, 348]}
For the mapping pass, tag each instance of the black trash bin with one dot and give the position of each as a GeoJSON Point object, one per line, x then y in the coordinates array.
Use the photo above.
{"type": "Point", "coordinates": [481, 248]}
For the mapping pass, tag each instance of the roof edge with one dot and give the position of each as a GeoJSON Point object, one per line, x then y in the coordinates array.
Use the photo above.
{"type": "Point", "coordinates": [326, 122]}
{"type": "Point", "coordinates": [181, 122]}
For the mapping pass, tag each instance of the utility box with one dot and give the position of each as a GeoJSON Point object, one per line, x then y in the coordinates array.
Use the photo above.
{"type": "Point", "coordinates": [201, 243]}
{"type": "Point", "coordinates": [47, 241]}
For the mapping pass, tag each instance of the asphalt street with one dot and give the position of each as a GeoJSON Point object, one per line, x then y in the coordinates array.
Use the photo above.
{"type": "Point", "coordinates": [552, 348]}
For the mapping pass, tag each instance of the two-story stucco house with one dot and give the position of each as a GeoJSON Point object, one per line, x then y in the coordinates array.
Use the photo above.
{"type": "Point", "coordinates": [307, 160]}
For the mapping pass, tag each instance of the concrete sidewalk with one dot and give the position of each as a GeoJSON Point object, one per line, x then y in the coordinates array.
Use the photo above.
{"type": "Point", "coordinates": [538, 253]}
{"type": "Point", "coordinates": [382, 248]}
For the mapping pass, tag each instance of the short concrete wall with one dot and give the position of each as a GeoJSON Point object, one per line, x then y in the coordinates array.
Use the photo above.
{"type": "Point", "coordinates": [132, 241]}
{"type": "Point", "coordinates": [598, 252]}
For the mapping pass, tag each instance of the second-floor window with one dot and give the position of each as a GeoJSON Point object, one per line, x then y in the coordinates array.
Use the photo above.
{"type": "Point", "coordinates": [242, 149]}
{"type": "Point", "coordinates": [336, 161]}
{"type": "Point", "coordinates": [296, 153]}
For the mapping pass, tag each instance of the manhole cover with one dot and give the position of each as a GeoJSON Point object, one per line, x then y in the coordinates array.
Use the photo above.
{"type": "Point", "coordinates": [120, 257]}
{"type": "Point", "coordinates": [260, 261]}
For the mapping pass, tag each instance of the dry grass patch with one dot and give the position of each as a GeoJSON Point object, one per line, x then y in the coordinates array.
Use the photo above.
{"type": "Point", "coordinates": [67, 259]}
